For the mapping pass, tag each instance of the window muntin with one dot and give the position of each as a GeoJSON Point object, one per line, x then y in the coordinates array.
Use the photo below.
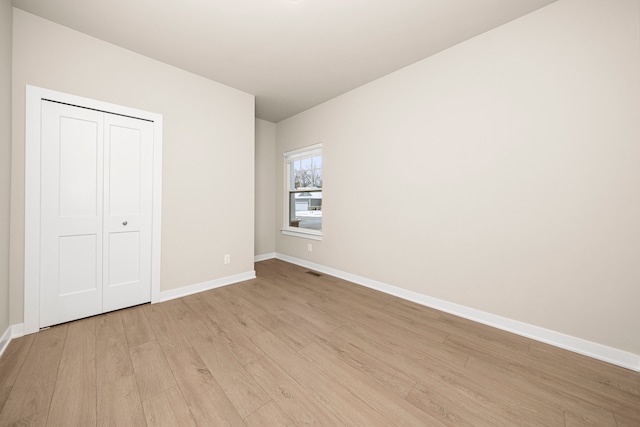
{"type": "Point", "coordinates": [303, 209]}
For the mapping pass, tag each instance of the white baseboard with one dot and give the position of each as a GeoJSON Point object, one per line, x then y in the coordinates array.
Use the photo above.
{"type": "Point", "coordinates": [205, 286]}
{"type": "Point", "coordinates": [17, 330]}
{"type": "Point", "coordinates": [13, 331]}
{"type": "Point", "coordinates": [577, 345]}
{"type": "Point", "coordinates": [264, 257]}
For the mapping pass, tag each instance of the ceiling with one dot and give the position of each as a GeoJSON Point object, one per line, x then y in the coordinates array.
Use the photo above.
{"type": "Point", "coordinates": [292, 55]}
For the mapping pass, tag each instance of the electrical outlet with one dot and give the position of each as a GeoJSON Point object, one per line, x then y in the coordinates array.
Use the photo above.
{"type": "Point", "coordinates": [309, 247]}
{"type": "Point", "coordinates": [227, 259]}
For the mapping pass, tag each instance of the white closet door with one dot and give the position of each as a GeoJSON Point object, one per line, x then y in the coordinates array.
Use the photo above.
{"type": "Point", "coordinates": [71, 213]}
{"type": "Point", "coordinates": [96, 212]}
{"type": "Point", "coordinates": [128, 180]}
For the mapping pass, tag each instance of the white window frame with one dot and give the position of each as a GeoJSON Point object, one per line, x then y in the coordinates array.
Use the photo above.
{"type": "Point", "coordinates": [289, 157]}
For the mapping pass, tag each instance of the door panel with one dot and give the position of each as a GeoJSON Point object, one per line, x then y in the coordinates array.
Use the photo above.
{"type": "Point", "coordinates": [124, 170]}
{"type": "Point", "coordinates": [78, 167]}
{"type": "Point", "coordinates": [71, 213]}
{"type": "Point", "coordinates": [124, 258]}
{"type": "Point", "coordinates": [78, 264]}
{"type": "Point", "coordinates": [128, 211]}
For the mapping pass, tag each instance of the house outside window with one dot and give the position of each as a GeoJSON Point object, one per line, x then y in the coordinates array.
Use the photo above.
{"type": "Point", "coordinates": [303, 192]}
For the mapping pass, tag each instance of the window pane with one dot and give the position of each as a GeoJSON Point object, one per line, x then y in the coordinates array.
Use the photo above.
{"type": "Point", "coordinates": [306, 210]}
{"type": "Point", "coordinates": [294, 171]}
{"type": "Point", "coordinates": [299, 179]}
{"type": "Point", "coordinates": [317, 178]}
{"type": "Point", "coordinates": [306, 163]}
{"type": "Point", "coordinates": [317, 162]}
{"type": "Point", "coordinates": [292, 179]}
{"type": "Point", "coordinates": [304, 178]}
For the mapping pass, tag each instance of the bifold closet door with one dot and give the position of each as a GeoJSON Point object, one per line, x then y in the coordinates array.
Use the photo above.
{"type": "Point", "coordinates": [71, 213]}
{"type": "Point", "coordinates": [128, 181]}
{"type": "Point", "coordinates": [96, 179]}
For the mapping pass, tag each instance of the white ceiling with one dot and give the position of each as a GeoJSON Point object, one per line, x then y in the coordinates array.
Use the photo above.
{"type": "Point", "coordinates": [292, 55]}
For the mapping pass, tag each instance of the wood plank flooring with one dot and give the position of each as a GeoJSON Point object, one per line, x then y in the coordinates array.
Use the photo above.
{"type": "Point", "coordinates": [290, 348]}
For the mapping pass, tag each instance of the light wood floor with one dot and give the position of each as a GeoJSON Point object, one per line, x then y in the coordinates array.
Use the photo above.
{"type": "Point", "coordinates": [291, 348]}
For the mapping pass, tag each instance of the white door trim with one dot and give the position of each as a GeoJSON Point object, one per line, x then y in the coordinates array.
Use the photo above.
{"type": "Point", "coordinates": [34, 97]}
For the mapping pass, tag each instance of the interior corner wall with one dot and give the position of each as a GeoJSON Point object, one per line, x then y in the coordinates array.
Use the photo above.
{"type": "Point", "coordinates": [208, 147]}
{"type": "Point", "coordinates": [6, 19]}
{"type": "Point", "coordinates": [265, 243]}
{"type": "Point", "coordinates": [502, 174]}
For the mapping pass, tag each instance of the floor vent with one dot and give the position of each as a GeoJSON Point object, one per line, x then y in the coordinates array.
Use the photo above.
{"type": "Point", "coordinates": [314, 273]}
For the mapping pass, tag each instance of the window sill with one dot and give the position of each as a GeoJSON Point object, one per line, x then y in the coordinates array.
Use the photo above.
{"type": "Point", "coordinates": [301, 232]}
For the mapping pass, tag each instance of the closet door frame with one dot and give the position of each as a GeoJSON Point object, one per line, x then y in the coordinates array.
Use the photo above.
{"type": "Point", "coordinates": [34, 97]}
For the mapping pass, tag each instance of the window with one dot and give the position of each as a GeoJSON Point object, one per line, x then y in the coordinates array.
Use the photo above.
{"type": "Point", "coordinates": [303, 192]}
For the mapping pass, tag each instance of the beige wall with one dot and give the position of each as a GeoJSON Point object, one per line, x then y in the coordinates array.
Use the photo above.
{"type": "Point", "coordinates": [208, 151]}
{"type": "Point", "coordinates": [265, 188]}
{"type": "Point", "coordinates": [5, 157]}
{"type": "Point", "coordinates": [502, 174]}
